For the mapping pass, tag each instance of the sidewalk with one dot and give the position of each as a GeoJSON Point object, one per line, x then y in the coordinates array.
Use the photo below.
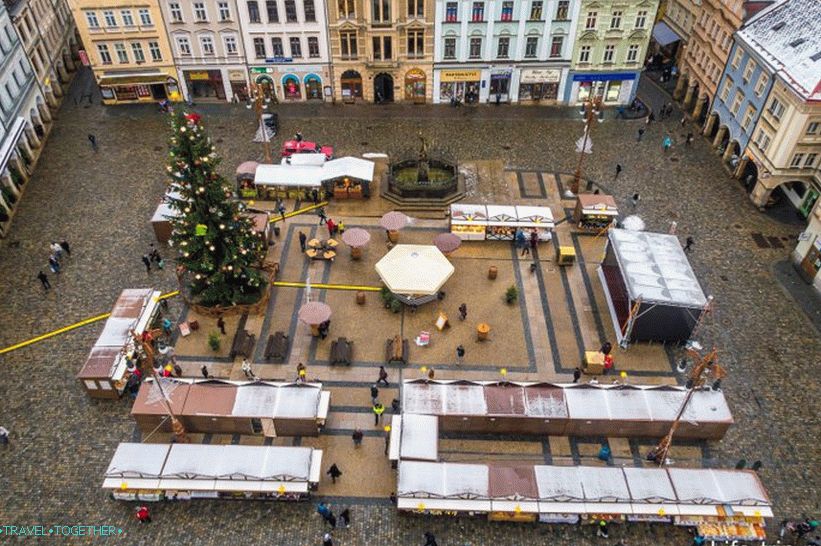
{"type": "Point", "coordinates": [805, 296]}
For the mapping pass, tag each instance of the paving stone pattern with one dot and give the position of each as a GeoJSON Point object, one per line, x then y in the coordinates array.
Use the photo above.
{"type": "Point", "coordinates": [61, 441]}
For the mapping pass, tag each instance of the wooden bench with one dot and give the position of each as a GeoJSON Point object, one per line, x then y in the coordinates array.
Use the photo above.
{"type": "Point", "coordinates": [277, 347]}
{"type": "Point", "coordinates": [341, 351]}
{"type": "Point", "coordinates": [396, 350]}
{"type": "Point", "coordinates": [243, 344]}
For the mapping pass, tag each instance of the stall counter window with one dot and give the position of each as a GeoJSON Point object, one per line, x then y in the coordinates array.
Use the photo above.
{"type": "Point", "coordinates": [539, 219]}
{"type": "Point", "coordinates": [468, 222]}
{"type": "Point", "coordinates": [595, 212]}
{"type": "Point", "coordinates": [502, 222]}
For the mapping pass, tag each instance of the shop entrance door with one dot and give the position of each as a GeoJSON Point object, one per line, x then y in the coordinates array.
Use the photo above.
{"type": "Point", "coordinates": [158, 91]}
{"type": "Point", "coordinates": [499, 88]}
{"type": "Point", "coordinates": [383, 88]}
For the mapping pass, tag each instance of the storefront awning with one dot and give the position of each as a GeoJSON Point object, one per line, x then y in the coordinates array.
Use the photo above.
{"type": "Point", "coordinates": [664, 35]}
{"type": "Point", "coordinates": [10, 141]}
{"type": "Point", "coordinates": [131, 79]}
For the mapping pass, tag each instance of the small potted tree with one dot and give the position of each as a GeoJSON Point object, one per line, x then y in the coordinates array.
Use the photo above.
{"type": "Point", "coordinates": [214, 341]}
{"type": "Point", "coordinates": [511, 294]}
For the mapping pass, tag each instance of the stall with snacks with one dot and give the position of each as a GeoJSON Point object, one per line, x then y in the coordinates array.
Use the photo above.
{"type": "Point", "coordinates": [595, 212]}
{"type": "Point", "coordinates": [469, 222]}
{"type": "Point", "coordinates": [296, 180]}
{"type": "Point", "coordinates": [538, 219]}
{"type": "Point", "coordinates": [502, 222]}
{"type": "Point", "coordinates": [107, 368]}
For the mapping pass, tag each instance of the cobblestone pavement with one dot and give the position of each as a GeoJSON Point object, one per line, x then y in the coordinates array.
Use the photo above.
{"type": "Point", "coordinates": [62, 441]}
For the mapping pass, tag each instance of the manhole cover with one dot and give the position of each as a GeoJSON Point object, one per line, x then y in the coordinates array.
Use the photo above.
{"type": "Point", "coordinates": [157, 148]}
{"type": "Point", "coordinates": [505, 147]}
{"type": "Point", "coordinates": [674, 159]}
{"type": "Point", "coordinates": [737, 226]}
{"type": "Point", "coordinates": [363, 143]}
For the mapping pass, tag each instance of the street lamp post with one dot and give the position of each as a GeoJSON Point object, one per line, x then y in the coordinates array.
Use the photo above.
{"type": "Point", "coordinates": [258, 100]}
{"type": "Point", "coordinates": [591, 111]}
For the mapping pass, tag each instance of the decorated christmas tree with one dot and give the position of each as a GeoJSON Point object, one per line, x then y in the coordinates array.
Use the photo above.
{"type": "Point", "coordinates": [218, 250]}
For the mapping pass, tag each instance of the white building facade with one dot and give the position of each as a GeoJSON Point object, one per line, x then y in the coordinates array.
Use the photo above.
{"type": "Point", "coordinates": [286, 46]}
{"type": "Point", "coordinates": [516, 51]}
{"type": "Point", "coordinates": [209, 52]}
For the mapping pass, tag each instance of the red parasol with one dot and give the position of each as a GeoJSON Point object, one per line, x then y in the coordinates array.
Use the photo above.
{"type": "Point", "coordinates": [248, 167]}
{"type": "Point", "coordinates": [447, 242]}
{"type": "Point", "coordinates": [356, 237]}
{"type": "Point", "coordinates": [314, 312]}
{"type": "Point", "coordinates": [394, 221]}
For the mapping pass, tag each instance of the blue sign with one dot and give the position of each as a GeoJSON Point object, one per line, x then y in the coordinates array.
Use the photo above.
{"type": "Point", "coordinates": [604, 77]}
{"type": "Point", "coordinates": [279, 60]}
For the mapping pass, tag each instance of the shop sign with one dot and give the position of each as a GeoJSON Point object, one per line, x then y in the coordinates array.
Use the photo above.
{"type": "Point", "coordinates": [415, 74]}
{"type": "Point", "coordinates": [604, 77]}
{"type": "Point", "coordinates": [261, 70]}
{"type": "Point", "coordinates": [279, 60]}
{"type": "Point", "coordinates": [501, 73]}
{"type": "Point", "coordinates": [460, 75]}
{"type": "Point", "coordinates": [203, 75]}
{"type": "Point", "coordinates": [541, 75]}
{"type": "Point", "coordinates": [236, 75]}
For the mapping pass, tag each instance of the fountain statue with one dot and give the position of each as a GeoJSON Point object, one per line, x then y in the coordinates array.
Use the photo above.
{"type": "Point", "coordinates": [423, 166]}
{"type": "Point", "coordinates": [422, 174]}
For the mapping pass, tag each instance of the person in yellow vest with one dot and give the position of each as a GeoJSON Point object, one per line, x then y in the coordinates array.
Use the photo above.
{"type": "Point", "coordinates": [378, 410]}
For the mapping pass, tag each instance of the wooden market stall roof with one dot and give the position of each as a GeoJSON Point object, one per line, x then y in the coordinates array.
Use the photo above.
{"type": "Point", "coordinates": [598, 203]}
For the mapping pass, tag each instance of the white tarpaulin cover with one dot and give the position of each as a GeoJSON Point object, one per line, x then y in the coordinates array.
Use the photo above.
{"type": "Point", "coordinates": [276, 402]}
{"type": "Point", "coordinates": [419, 270]}
{"type": "Point", "coordinates": [312, 176]}
{"type": "Point", "coordinates": [137, 461]}
{"type": "Point", "coordinates": [443, 480]}
{"type": "Point", "coordinates": [655, 267]}
{"type": "Point", "coordinates": [420, 437]}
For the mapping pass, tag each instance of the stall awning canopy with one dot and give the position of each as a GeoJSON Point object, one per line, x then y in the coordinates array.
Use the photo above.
{"type": "Point", "coordinates": [312, 176]}
{"type": "Point", "coordinates": [419, 270]}
{"type": "Point", "coordinates": [664, 35]}
{"type": "Point", "coordinates": [655, 268]}
{"type": "Point", "coordinates": [501, 215]}
{"type": "Point", "coordinates": [420, 437]}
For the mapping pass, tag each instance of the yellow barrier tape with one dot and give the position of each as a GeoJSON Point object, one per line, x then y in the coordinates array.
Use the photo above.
{"type": "Point", "coordinates": [70, 327]}
{"type": "Point", "coordinates": [278, 218]}
{"type": "Point", "coordinates": [321, 286]}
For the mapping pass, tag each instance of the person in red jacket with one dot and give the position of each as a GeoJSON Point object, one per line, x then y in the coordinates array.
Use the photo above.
{"type": "Point", "coordinates": [331, 227]}
{"type": "Point", "coordinates": [143, 515]}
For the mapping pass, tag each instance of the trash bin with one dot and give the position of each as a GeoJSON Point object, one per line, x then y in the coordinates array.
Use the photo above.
{"type": "Point", "coordinates": [276, 231]}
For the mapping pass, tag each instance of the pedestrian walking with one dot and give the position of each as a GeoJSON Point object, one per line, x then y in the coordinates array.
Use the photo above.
{"type": "Point", "coordinates": [53, 264]}
{"type": "Point", "coordinates": [204, 371]}
{"type": "Point", "coordinates": [640, 134]}
{"type": "Point", "coordinates": [329, 223]}
{"type": "Point", "coordinates": [378, 409]}
{"type": "Point", "coordinates": [341, 227]}
{"type": "Point", "coordinates": [315, 197]}
{"type": "Point", "coordinates": [323, 510]}
{"type": "Point", "coordinates": [334, 473]}
{"type": "Point", "coordinates": [147, 262]}
{"type": "Point", "coordinates": [635, 199]}
{"type": "Point", "coordinates": [56, 250]}
{"type": "Point", "coordinates": [322, 216]}
{"type": "Point", "coordinates": [650, 118]}
{"type": "Point", "coordinates": [463, 311]}
{"type": "Point", "coordinates": [577, 373]}
{"type": "Point", "coordinates": [345, 517]}
{"type": "Point", "coordinates": [301, 372]}
{"type": "Point", "coordinates": [357, 437]}
{"type": "Point", "coordinates": [246, 369]}
{"type": "Point", "coordinates": [460, 355]}
{"type": "Point", "coordinates": [298, 136]}
{"type": "Point", "coordinates": [281, 210]}
{"type": "Point", "coordinates": [143, 515]}
{"type": "Point", "coordinates": [688, 245]}
{"type": "Point", "coordinates": [525, 246]}
{"type": "Point", "coordinates": [666, 142]}
{"type": "Point", "coordinates": [431, 373]}
{"type": "Point", "coordinates": [383, 376]}
{"type": "Point", "coordinates": [93, 140]}
{"type": "Point", "coordinates": [66, 247]}
{"type": "Point", "coordinates": [601, 530]}
{"type": "Point", "coordinates": [689, 140]}
{"type": "Point", "coordinates": [221, 324]}
{"type": "Point", "coordinates": [618, 171]}
{"type": "Point", "coordinates": [4, 436]}
{"type": "Point", "coordinates": [430, 540]}
{"type": "Point", "coordinates": [177, 370]}
{"type": "Point", "coordinates": [683, 121]}
{"type": "Point", "coordinates": [44, 280]}
{"type": "Point", "coordinates": [302, 241]}
{"type": "Point", "coordinates": [534, 242]}
{"type": "Point", "coordinates": [327, 540]}
{"type": "Point", "coordinates": [374, 394]}
{"type": "Point", "coordinates": [605, 348]}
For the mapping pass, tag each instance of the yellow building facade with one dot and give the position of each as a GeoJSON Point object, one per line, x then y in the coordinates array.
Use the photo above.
{"type": "Point", "coordinates": [382, 50]}
{"type": "Point", "coordinates": [126, 46]}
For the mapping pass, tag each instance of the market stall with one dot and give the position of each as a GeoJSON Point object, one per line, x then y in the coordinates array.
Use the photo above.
{"type": "Point", "coordinates": [161, 220]}
{"type": "Point", "coordinates": [245, 179]}
{"type": "Point", "coordinates": [414, 273]}
{"type": "Point", "coordinates": [469, 222]}
{"type": "Point", "coordinates": [153, 472]}
{"type": "Point", "coordinates": [502, 222]}
{"type": "Point", "coordinates": [414, 437]}
{"type": "Point", "coordinates": [350, 177]}
{"type": "Point", "coordinates": [235, 407]}
{"type": "Point", "coordinates": [538, 219]}
{"type": "Point", "coordinates": [105, 371]}
{"type": "Point", "coordinates": [292, 180]}
{"type": "Point", "coordinates": [595, 212]}
{"type": "Point", "coordinates": [650, 288]}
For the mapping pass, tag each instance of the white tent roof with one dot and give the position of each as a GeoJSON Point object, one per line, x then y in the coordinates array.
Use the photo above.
{"type": "Point", "coordinates": [414, 269]}
{"type": "Point", "coordinates": [443, 479]}
{"type": "Point", "coordinates": [420, 437]}
{"type": "Point", "coordinates": [655, 267]}
{"type": "Point", "coordinates": [137, 460]}
{"type": "Point", "coordinates": [312, 176]}
{"type": "Point", "coordinates": [203, 461]}
{"type": "Point", "coordinates": [276, 402]}
{"type": "Point", "coordinates": [561, 483]}
{"type": "Point", "coordinates": [353, 167]}
{"type": "Point", "coordinates": [604, 484]}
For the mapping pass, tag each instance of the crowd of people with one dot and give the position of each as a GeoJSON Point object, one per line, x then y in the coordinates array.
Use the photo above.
{"type": "Point", "coordinates": [58, 252]}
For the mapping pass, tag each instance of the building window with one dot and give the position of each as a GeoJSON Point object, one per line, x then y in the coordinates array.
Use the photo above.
{"type": "Point", "coordinates": [451, 12]}
{"type": "Point", "coordinates": [609, 50]}
{"type": "Point", "coordinates": [296, 48]}
{"type": "Point", "coordinates": [762, 140]}
{"type": "Point", "coordinates": [590, 23]}
{"type": "Point", "coordinates": [615, 20]}
{"type": "Point", "coordinates": [259, 48]}
{"type": "Point", "coordinates": [748, 72]}
{"type": "Point", "coordinates": [503, 48]}
{"type": "Point", "coordinates": [290, 11]}
{"type": "Point", "coordinates": [253, 12]}
{"type": "Point", "coordinates": [562, 10]}
{"type": "Point", "coordinates": [183, 45]}
{"type": "Point", "coordinates": [381, 11]}
{"type": "Point", "coordinates": [277, 49]}
{"type": "Point", "coordinates": [776, 109]}
{"type": "Point", "coordinates": [272, 11]}
{"type": "Point", "coordinates": [207, 45]}
{"type": "Point", "coordinates": [507, 11]}
{"type": "Point", "coordinates": [313, 47]}
{"type": "Point", "coordinates": [641, 19]}
{"type": "Point", "coordinates": [475, 48]}
{"type": "Point", "coordinates": [91, 19]}
{"type": "Point", "coordinates": [739, 96]}
{"type": "Point", "coordinates": [797, 159]}
{"type": "Point", "coordinates": [810, 162]}
{"type": "Point", "coordinates": [199, 12]}
{"type": "Point", "coordinates": [176, 12]}
{"type": "Point", "coordinates": [478, 12]}
{"type": "Point", "coordinates": [584, 54]}
{"type": "Point", "coordinates": [346, 9]}
{"type": "Point", "coordinates": [110, 20]}
{"type": "Point", "coordinates": [348, 44]}
{"type": "Point", "coordinates": [230, 44]}
{"type": "Point", "coordinates": [556, 45]}
{"type": "Point", "coordinates": [128, 20]}
{"type": "Point", "coordinates": [137, 51]}
{"type": "Point", "coordinates": [748, 118]}
{"type": "Point", "coordinates": [531, 47]}
{"type": "Point", "coordinates": [812, 128]}
{"type": "Point", "coordinates": [122, 54]}
{"type": "Point", "coordinates": [154, 49]}
{"type": "Point", "coordinates": [725, 91]}
{"type": "Point", "coordinates": [416, 43]}
{"type": "Point", "coordinates": [737, 58]}
{"type": "Point", "coordinates": [450, 48]}
{"type": "Point", "coordinates": [762, 82]}
{"type": "Point", "coordinates": [105, 56]}
{"type": "Point", "coordinates": [224, 11]}
{"type": "Point", "coordinates": [416, 8]}
{"type": "Point", "coordinates": [536, 10]}
{"type": "Point", "coordinates": [310, 12]}
{"type": "Point", "coordinates": [145, 17]}
{"type": "Point", "coordinates": [632, 53]}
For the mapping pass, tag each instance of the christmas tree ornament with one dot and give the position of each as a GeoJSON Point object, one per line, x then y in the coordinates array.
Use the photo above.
{"type": "Point", "coordinates": [201, 230]}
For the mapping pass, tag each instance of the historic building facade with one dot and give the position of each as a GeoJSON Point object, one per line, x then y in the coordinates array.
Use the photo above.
{"type": "Point", "coordinates": [208, 49]}
{"type": "Point", "coordinates": [382, 50]}
{"type": "Point", "coordinates": [286, 47]}
{"type": "Point", "coordinates": [503, 50]}
{"type": "Point", "coordinates": [610, 46]}
{"type": "Point", "coordinates": [127, 48]}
